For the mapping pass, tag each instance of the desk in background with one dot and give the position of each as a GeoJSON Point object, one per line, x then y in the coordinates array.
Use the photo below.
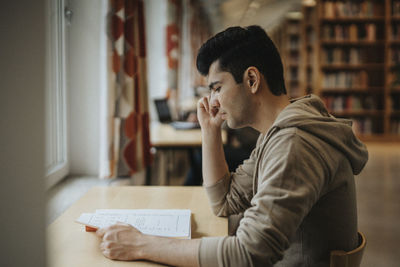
{"type": "Point", "coordinates": [166, 139]}
{"type": "Point", "coordinates": [69, 245]}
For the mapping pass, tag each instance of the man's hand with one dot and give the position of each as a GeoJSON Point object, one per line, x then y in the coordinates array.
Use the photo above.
{"type": "Point", "coordinates": [210, 118]}
{"type": "Point", "coordinates": [121, 242]}
{"type": "Point", "coordinates": [208, 115]}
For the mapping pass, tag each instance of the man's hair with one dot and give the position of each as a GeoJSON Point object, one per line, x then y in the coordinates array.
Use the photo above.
{"type": "Point", "coordinates": [238, 48]}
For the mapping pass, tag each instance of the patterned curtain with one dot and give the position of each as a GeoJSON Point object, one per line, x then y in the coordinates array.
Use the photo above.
{"type": "Point", "coordinates": [128, 117]}
{"type": "Point", "coordinates": [187, 29]}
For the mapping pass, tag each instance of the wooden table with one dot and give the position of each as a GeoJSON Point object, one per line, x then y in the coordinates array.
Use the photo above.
{"type": "Point", "coordinates": [69, 245]}
{"type": "Point", "coordinates": [166, 139]}
{"type": "Point", "coordinates": [164, 135]}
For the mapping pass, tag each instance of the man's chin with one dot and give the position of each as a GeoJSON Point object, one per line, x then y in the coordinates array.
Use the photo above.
{"type": "Point", "coordinates": [233, 125]}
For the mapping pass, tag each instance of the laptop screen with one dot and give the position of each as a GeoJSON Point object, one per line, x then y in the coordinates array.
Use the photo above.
{"type": "Point", "coordinates": [163, 112]}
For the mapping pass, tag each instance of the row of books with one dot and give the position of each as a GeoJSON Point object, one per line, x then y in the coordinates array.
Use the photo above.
{"type": "Point", "coordinates": [368, 8]}
{"type": "Point", "coordinates": [394, 78]}
{"type": "Point", "coordinates": [362, 126]}
{"type": "Point", "coordinates": [395, 102]}
{"type": "Point", "coordinates": [309, 76]}
{"type": "Point", "coordinates": [310, 57]}
{"type": "Point", "coordinates": [294, 42]}
{"type": "Point", "coordinates": [293, 73]}
{"type": "Point", "coordinates": [341, 79]}
{"type": "Point", "coordinates": [294, 57]}
{"type": "Point", "coordinates": [310, 15]}
{"type": "Point", "coordinates": [352, 32]}
{"type": "Point", "coordinates": [395, 127]}
{"type": "Point", "coordinates": [310, 37]}
{"type": "Point", "coordinates": [293, 28]}
{"type": "Point", "coordinates": [341, 56]}
{"type": "Point", "coordinates": [396, 8]}
{"type": "Point", "coordinates": [349, 103]}
{"type": "Point", "coordinates": [395, 31]}
{"type": "Point", "coordinates": [395, 56]}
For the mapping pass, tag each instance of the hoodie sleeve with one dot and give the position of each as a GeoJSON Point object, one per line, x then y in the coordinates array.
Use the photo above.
{"type": "Point", "coordinates": [233, 193]}
{"type": "Point", "coordinates": [291, 179]}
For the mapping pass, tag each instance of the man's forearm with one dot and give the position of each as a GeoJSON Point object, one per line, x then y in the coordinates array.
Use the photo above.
{"type": "Point", "coordinates": [214, 163]}
{"type": "Point", "coordinates": [174, 252]}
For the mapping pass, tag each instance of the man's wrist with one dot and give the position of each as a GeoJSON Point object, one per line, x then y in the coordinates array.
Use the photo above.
{"type": "Point", "coordinates": [145, 249]}
{"type": "Point", "coordinates": [211, 130]}
{"type": "Point", "coordinates": [175, 252]}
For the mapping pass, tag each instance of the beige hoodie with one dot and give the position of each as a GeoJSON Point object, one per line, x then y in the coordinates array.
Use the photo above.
{"type": "Point", "coordinates": [296, 193]}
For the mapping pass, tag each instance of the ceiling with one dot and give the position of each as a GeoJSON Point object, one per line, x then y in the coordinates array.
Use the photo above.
{"type": "Point", "coordinates": [266, 13]}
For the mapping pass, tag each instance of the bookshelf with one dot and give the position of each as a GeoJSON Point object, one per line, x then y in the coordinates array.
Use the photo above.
{"type": "Point", "coordinates": [292, 54]}
{"type": "Point", "coordinates": [308, 47]}
{"type": "Point", "coordinates": [354, 63]}
{"type": "Point", "coordinates": [393, 67]}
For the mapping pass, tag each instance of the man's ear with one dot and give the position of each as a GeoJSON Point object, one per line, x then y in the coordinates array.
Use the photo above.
{"type": "Point", "coordinates": [252, 79]}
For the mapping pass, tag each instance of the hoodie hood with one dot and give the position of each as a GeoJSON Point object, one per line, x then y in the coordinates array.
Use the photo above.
{"type": "Point", "coordinates": [310, 115]}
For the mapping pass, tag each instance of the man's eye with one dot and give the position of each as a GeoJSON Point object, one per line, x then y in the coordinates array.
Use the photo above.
{"type": "Point", "coordinates": [217, 89]}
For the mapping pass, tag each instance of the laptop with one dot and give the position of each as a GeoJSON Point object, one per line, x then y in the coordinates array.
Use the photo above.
{"type": "Point", "coordinates": [164, 116]}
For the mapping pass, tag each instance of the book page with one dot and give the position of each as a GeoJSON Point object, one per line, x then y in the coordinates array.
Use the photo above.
{"type": "Point", "coordinates": [169, 223]}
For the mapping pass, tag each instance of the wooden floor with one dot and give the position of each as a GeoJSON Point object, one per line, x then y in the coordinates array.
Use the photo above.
{"type": "Point", "coordinates": [378, 195]}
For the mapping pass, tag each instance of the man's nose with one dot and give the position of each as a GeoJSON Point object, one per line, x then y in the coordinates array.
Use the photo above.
{"type": "Point", "coordinates": [214, 100]}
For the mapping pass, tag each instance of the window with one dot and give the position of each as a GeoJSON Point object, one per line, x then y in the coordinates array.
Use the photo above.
{"type": "Point", "coordinates": [56, 120]}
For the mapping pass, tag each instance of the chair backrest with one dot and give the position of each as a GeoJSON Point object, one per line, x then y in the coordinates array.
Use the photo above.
{"type": "Point", "coordinates": [340, 258]}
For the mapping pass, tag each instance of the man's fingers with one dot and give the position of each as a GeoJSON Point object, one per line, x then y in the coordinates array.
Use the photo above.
{"type": "Point", "coordinates": [122, 224]}
{"type": "Point", "coordinates": [107, 253]}
{"type": "Point", "coordinates": [100, 232]}
{"type": "Point", "coordinates": [205, 104]}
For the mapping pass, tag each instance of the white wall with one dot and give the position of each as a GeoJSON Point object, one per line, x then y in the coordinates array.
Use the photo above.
{"type": "Point", "coordinates": [156, 22]}
{"type": "Point", "coordinates": [22, 95]}
{"type": "Point", "coordinates": [87, 72]}
{"type": "Point", "coordinates": [85, 81]}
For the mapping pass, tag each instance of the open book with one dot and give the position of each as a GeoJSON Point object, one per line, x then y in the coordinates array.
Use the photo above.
{"type": "Point", "coordinates": [168, 223]}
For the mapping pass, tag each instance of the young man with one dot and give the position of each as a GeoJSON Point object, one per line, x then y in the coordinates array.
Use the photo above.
{"type": "Point", "coordinates": [295, 195]}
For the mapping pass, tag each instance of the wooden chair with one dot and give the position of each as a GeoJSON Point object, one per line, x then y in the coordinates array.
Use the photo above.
{"type": "Point", "coordinates": [340, 258]}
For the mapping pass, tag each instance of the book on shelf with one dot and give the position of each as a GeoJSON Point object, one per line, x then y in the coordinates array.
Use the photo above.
{"type": "Point", "coordinates": [341, 56]}
{"type": "Point", "coordinates": [396, 8]}
{"type": "Point", "coordinates": [394, 78]}
{"type": "Point", "coordinates": [309, 76]}
{"type": "Point", "coordinates": [294, 58]}
{"type": "Point", "coordinates": [294, 43]}
{"type": "Point", "coordinates": [357, 9]}
{"type": "Point", "coordinates": [395, 101]}
{"type": "Point", "coordinates": [310, 57]}
{"type": "Point", "coordinates": [310, 36]}
{"type": "Point", "coordinates": [362, 126]}
{"type": "Point", "coordinates": [293, 74]}
{"type": "Point", "coordinates": [395, 56]}
{"type": "Point", "coordinates": [396, 31]}
{"type": "Point", "coordinates": [168, 223]}
{"type": "Point", "coordinates": [342, 79]}
{"type": "Point", "coordinates": [395, 126]}
{"type": "Point", "coordinates": [293, 28]}
{"type": "Point", "coordinates": [352, 32]}
{"type": "Point", "coordinates": [371, 32]}
{"type": "Point", "coordinates": [350, 103]}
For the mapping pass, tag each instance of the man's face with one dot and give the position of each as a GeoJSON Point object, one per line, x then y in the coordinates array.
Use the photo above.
{"type": "Point", "coordinates": [229, 99]}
